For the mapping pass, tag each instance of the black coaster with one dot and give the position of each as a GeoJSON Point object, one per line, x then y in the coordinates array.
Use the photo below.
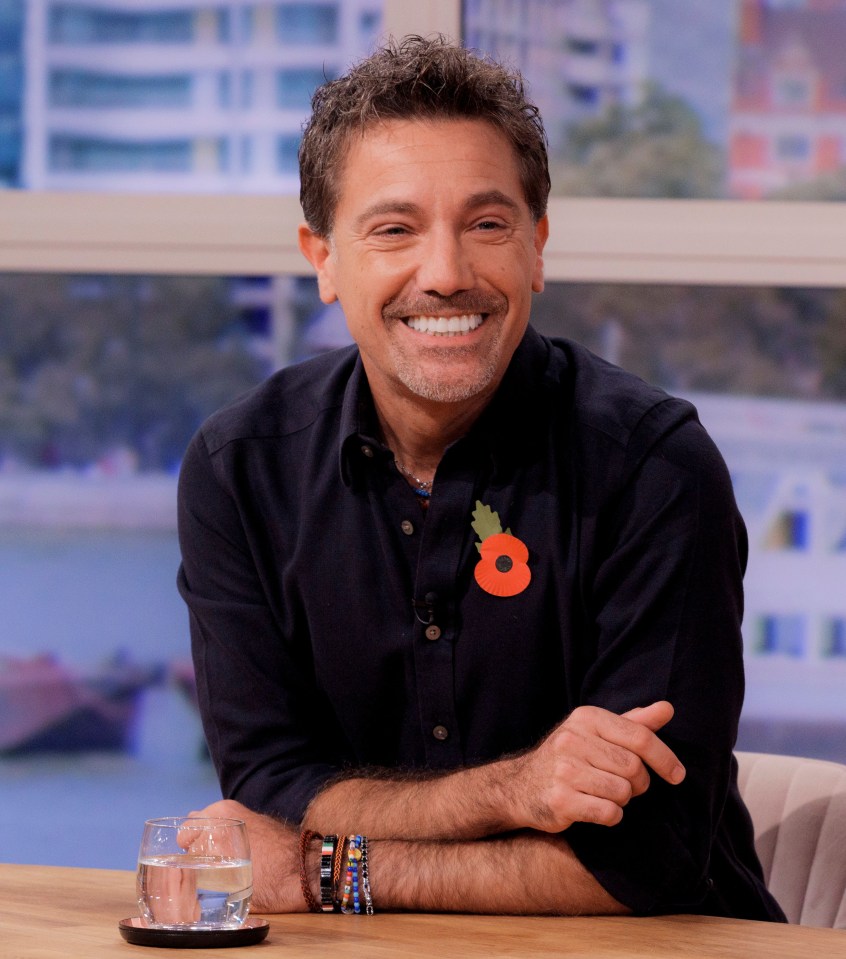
{"type": "Point", "coordinates": [140, 933]}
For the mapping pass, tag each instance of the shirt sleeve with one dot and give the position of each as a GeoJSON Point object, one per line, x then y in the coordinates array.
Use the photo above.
{"type": "Point", "coordinates": [269, 734]}
{"type": "Point", "coordinates": [665, 601]}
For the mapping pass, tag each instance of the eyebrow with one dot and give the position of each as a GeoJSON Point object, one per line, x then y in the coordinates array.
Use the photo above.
{"type": "Point", "coordinates": [383, 209]}
{"type": "Point", "coordinates": [475, 200]}
{"type": "Point", "coordinates": [491, 198]}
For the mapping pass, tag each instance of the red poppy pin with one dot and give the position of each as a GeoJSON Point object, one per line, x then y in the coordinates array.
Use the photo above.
{"type": "Point", "coordinates": [503, 569]}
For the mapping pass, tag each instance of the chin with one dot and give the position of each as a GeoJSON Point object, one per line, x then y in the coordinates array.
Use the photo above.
{"type": "Point", "coordinates": [442, 389]}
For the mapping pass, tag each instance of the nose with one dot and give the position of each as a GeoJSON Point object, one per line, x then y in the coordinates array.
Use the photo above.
{"type": "Point", "coordinates": [445, 265]}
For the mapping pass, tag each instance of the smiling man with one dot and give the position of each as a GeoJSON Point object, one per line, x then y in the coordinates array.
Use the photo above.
{"type": "Point", "coordinates": [469, 593]}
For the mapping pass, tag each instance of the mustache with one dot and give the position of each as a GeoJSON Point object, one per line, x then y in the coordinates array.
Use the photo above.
{"type": "Point", "coordinates": [465, 301]}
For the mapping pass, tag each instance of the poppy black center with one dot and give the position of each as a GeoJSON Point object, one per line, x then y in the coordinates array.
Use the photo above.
{"type": "Point", "coordinates": [504, 563]}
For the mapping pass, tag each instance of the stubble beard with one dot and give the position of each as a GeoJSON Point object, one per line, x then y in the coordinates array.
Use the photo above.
{"type": "Point", "coordinates": [445, 388]}
{"type": "Point", "coordinates": [443, 385]}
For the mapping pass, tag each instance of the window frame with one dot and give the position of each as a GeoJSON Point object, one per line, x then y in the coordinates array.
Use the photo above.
{"type": "Point", "coordinates": [591, 240]}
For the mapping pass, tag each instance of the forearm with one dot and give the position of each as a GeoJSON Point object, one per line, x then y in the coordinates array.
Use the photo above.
{"type": "Point", "coordinates": [523, 873]}
{"type": "Point", "coordinates": [528, 873]}
{"type": "Point", "coordinates": [461, 805]}
{"type": "Point", "coordinates": [587, 770]}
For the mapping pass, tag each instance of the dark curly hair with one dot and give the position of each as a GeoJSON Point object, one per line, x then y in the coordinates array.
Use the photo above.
{"type": "Point", "coordinates": [417, 78]}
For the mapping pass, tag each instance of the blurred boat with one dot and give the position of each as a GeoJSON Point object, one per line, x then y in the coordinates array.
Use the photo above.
{"type": "Point", "coordinates": [45, 706]}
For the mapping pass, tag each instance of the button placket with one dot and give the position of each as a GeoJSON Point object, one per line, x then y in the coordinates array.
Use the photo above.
{"type": "Point", "coordinates": [443, 537]}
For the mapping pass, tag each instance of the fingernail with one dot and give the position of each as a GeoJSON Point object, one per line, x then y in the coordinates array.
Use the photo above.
{"type": "Point", "coordinates": [677, 775]}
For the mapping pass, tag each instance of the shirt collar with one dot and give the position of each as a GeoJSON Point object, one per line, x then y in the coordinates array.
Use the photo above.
{"type": "Point", "coordinates": [513, 421]}
{"type": "Point", "coordinates": [359, 429]}
{"type": "Point", "coordinates": [518, 416]}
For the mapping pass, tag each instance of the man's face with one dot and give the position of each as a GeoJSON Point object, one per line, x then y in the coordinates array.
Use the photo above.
{"type": "Point", "coordinates": [433, 257]}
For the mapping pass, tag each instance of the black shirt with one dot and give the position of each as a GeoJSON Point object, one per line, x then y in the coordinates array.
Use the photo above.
{"type": "Point", "coordinates": [337, 625]}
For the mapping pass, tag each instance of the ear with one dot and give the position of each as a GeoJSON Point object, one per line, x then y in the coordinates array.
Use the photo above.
{"type": "Point", "coordinates": [541, 236]}
{"type": "Point", "coordinates": [318, 251]}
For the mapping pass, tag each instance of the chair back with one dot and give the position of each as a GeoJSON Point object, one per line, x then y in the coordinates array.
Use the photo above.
{"type": "Point", "coordinates": [798, 809]}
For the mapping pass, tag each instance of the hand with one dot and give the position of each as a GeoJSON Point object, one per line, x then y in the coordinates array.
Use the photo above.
{"type": "Point", "coordinates": [170, 897]}
{"type": "Point", "coordinates": [274, 847]}
{"type": "Point", "coordinates": [590, 766]}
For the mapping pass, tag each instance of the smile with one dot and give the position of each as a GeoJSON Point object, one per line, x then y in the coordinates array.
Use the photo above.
{"type": "Point", "coordinates": [446, 325]}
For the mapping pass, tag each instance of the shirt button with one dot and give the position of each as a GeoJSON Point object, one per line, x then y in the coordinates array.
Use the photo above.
{"type": "Point", "coordinates": [433, 632]}
{"type": "Point", "coordinates": [367, 451]}
{"type": "Point", "coordinates": [407, 527]}
{"type": "Point", "coordinates": [440, 733]}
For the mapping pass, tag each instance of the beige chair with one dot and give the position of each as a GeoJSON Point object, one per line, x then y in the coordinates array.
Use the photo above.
{"type": "Point", "coordinates": [798, 807]}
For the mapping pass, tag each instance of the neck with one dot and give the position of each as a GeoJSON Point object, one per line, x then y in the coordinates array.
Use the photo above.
{"type": "Point", "coordinates": [418, 431]}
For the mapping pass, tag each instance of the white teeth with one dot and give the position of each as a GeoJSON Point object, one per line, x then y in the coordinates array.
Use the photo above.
{"type": "Point", "coordinates": [445, 325]}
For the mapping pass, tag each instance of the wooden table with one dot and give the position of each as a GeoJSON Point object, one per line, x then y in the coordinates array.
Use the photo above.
{"type": "Point", "coordinates": [48, 912]}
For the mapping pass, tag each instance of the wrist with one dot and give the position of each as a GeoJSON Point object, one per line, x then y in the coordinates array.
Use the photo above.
{"type": "Point", "coordinates": [507, 791]}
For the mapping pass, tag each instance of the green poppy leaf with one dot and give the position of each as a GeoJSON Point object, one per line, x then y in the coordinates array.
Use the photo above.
{"type": "Point", "coordinates": [485, 522]}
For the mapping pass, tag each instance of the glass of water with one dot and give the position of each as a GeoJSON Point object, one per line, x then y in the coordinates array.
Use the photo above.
{"type": "Point", "coordinates": [194, 873]}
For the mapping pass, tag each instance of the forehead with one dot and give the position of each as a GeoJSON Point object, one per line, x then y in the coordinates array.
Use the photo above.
{"type": "Point", "coordinates": [441, 153]}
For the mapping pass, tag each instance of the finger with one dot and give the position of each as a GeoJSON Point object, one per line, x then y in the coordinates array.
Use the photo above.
{"type": "Point", "coordinates": [603, 812]}
{"type": "Point", "coordinates": [578, 807]}
{"type": "Point", "coordinates": [641, 740]}
{"type": "Point", "coordinates": [627, 743]}
{"type": "Point", "coordinates": [654, 716]}
{"type": "Point", "coordinates": [585, 779]}
{"type": "Point", "coordinates": [188, 836]}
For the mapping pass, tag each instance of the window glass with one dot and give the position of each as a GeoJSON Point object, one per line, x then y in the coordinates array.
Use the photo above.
{"type": "Point", "coordinates": [742, 99]}
{"type": "Point", "coordinates": [295, 85]}
{"type": "Point", "coordinates": [86, 155]}
{"type": "Point", "coordinates": [11, 92]}
{"type": "Point", "coordinates": [81, 88]}
{"type": "Point", "coordinates": [145, 96]}
{"type": "Point", "coordinates": [835, 640]}
{"type": "Point", "coordinates": [308, 23]}
{"type": "Point", "coordinates": [103, 380]}
{"type": "Point", "coordinates": [82, 23]}
{"type": "Point", "coordinates": [286, 154]}
{"type": "Point", "coordinates": [781, 635]}
{"type": "Point", "coordinates": [11, 82]}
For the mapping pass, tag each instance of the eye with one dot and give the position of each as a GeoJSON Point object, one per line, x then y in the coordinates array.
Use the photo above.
{"type": "Point", "coordinates": [488, 226]}
{"type": "Point", "coordinates": [391, 230]}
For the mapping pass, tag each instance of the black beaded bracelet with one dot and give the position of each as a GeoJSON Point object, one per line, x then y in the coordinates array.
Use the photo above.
{"type": "Point", "coordinates": [327, 879]}
{"type": "Point", "coordinates": [365, 878]}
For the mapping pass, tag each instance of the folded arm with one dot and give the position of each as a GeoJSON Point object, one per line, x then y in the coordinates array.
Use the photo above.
{"type": "Point", "coordinates": [586, 770]}
{"type": "Point", "coordinates": [530, 873]}
{"type": "Point", "coordinates": [431, 842]}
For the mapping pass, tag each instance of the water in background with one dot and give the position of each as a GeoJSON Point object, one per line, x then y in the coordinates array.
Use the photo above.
{"type": "Point", "coordinates": [84, 595]}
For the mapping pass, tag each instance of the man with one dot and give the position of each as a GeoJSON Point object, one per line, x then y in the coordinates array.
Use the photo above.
{"type": "Point", "coordinates": [448, 586]}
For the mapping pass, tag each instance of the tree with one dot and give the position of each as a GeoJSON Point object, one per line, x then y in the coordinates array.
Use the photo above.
{"type": "Point", "coordinates": [745, 340]}
{"type": "Point", "coordinates": [94, 364]}
{"type": "Point", "coordinates": [654, 149]}
{"type": "Point", "coordinates": [832, 346]}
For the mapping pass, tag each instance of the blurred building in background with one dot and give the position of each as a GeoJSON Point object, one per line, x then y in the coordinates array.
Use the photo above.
{"type": "Point", "coordinates": [195, 95]}
{"type": "Point", "coordinates": [11, 90]}
{"type": "Point", "coordinates": [788, 466]}
{"type": "Point", "coordinates": [578, 56]}
{"type": "Point", "coordinates": [788, 113]}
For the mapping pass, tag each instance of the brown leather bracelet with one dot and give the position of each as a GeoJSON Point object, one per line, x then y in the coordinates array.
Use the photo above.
{"type": "Point", "coordinates": [306, 837]}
